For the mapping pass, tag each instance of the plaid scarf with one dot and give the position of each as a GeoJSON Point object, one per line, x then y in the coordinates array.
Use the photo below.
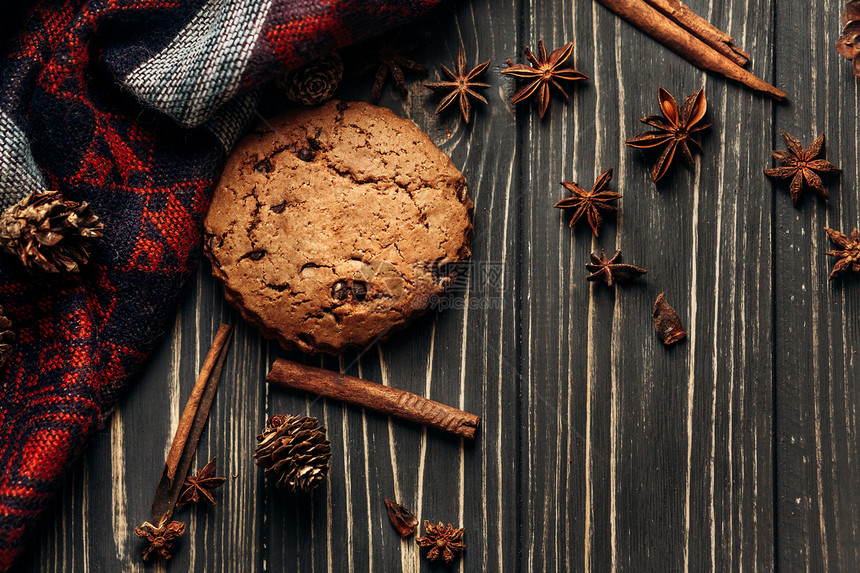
{"type": "Point", "coordinates": [132, 106]}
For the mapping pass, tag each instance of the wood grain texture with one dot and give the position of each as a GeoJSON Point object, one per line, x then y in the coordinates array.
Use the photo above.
{"type": "Point", "coordinates": [816, 321]}
{"type": "Point", "coordinates": [599, 449]}
{"type": "Point", "coordinates": [668, 451]}
{"type": "Point", "coordinates": [465, 357]}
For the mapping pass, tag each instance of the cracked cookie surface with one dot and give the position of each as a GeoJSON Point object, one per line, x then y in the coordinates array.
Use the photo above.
{"type": "Point", "coordinates": [333, 226]}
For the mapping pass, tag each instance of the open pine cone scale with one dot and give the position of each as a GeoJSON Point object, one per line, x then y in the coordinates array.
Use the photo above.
{"type": "Point", "coordinates": [48, 233]}
{"type": "Point", "coordinates": [294, 451]}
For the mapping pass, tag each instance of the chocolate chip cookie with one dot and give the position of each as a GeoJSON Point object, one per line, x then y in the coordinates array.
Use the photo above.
{"type": "Point", "coordinates": [333, 226]}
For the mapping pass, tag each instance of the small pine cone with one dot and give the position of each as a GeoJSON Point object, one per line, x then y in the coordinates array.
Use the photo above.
{"type": "Point", "coordinates": [48, 233]}
{"type": "Point", "coordinates": [313, 83]}
{"type": "Point", "coordinates": [7, 337]}
{"type": "Point", "coordinates": [848, 44]}
{"type": "Point", "coordinates": [294, 450]}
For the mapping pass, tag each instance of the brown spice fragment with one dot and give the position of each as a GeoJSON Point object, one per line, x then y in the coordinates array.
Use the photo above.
{"type": "Point", "coordinates": [403, 520]}
{"type": "Point", "coordinates": [159, 538]}
{"type": "Point", "coordinates": [667, 323]}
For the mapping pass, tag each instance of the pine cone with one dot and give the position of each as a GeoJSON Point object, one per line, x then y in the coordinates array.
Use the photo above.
{"type": "Point", "coordinates": [48, 233]}
{"type": "Point", "coordinates": [315, 82]}
{"type": "Point", "coordinates": [7, 337]}
{"type": "Point", "coordinates": [848, 44]}
{"type": "Point", "coordinates": [294, 450]}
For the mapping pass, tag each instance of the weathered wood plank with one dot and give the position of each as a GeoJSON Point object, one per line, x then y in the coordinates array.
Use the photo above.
{"type": "Point", "coordinates": [599, 449]}
{"type": "Point", "coordinates": [465, 357]}
{"type": "Point", "coordinates": [734, 528]}
{"type": "Point", "coordinates": [669, 451]}
{"type": "Point", "coordinates": [816, 321]}
{"type": "Point", "coordinates": [110, 490]}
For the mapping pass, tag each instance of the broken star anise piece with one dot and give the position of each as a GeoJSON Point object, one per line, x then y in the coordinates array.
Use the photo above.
{"type": "Point", "coordinates": [159, 538]}
{"type": "Point", "coordinates": [674, 130]}
{"type": "Point", "coordinates": [403, 520]}
{"type": "Point", "coordinates": [391, 61]}
{"type": "Point", "coordinates": [611, 270]}
{"type": "Point", "coordinates": [444, 541]}
{"type": "Point", "coordinates": [198, 487]}
{"type": "Point", "coordinates": [848, 254]}
{"type": "Point", "coordinates": [667, 323]}
{"type": "Point", "coordinates": [462, 86]}
{"type": "Point", "coordinates": [802, 167]}
{"type": "Point", "coordinates": [543, 72]}
{"type": "Point", "coordinates": [590, 203]}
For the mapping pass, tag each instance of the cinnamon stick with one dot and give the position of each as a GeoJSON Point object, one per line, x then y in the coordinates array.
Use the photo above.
{"type": "Point", "coordinates": [663, 29]}
{"type": "Point", "coordinates": [190, 427]}
{"type": "Point", "coordinates": [702, 29]}
{"type": "Point", "coordinates": [385, 399]}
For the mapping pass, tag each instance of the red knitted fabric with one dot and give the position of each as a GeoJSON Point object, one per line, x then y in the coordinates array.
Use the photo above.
{"type": "Point", "coordinates": [100, 100]}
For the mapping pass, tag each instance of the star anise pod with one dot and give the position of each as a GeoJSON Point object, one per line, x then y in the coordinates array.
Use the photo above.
{"type": "Point", "coordinates": [461, 85]}
{"type": "Point", "coordinates": [590, 203]}
{"type": "Point", "coordinates": [391, 61]}
{"type": "Point", "coordinates": [611, 270]}
{"type": "Point", "coordinates": [543, 72]}
{"type": "Point", "coordinates": [159, 538]}
{"type": "Point", "coordinates": [802, 167]}
{"type": "Point", "coordinates": [444, 541]}
{"type": "Point", "coordinates": [674, 130]}
{"type": "Point", "coordinates": [198, 486]}
{"type": "Point", "coordinates": [848, 254]}
{"type": "Point", "coordinates": [848, 44]}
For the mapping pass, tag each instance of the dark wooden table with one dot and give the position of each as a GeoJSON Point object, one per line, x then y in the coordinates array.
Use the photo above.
{"type": "Point", "coordinates": [600, 450]}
